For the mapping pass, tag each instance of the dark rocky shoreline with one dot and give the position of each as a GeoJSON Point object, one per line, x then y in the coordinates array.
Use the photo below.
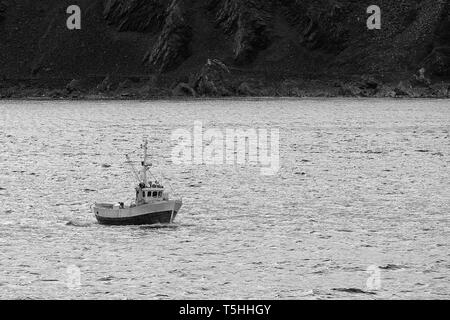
{"type": "Point", "coordinates": [142, 89]}
{"type": "Point", "coordinates": [146, 49]}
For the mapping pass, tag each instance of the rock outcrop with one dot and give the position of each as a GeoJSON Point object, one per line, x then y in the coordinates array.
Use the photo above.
{"type": "Point", "coordinates": [73, 86]}
{"type": "Point", "coordinates": [172, 46]}
{"type": "Point", "coordinates": [211, 79]}
{"type": "Point", "coordinates": [135, 15]}
{"type": "Point", "coordinates": [183, 90]}
{"type": "Point", "coordinates": [249, 21]}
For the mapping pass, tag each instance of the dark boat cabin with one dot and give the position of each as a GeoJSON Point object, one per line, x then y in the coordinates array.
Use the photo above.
{"type": "Point", "coordinates": [150, 193]}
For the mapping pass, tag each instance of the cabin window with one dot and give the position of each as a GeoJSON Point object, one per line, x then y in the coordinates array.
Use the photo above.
{"type": "Point", "coordinates": [160, 194]}
{"type": "Point", "coordinates": [155, 194]}
{"type": "Point", "coordinates": [149, 194]}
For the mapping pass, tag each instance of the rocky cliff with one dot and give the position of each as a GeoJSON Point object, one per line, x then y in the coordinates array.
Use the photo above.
{"type": "Point", "coordinates": [264, 43]}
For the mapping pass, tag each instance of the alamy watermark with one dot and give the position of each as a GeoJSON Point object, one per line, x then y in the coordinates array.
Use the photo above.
{"type": "Point", "coordinates": [374, 281]}
{"type": "Point", "coordinates": [73, 277]}
{"type": "Point", "coordinates": [228, 146]}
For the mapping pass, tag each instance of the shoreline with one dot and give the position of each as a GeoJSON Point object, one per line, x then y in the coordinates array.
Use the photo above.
{"type": "Point", "coordinates": [209, 85]}
{"type": "Point", "coordinates": [440, 92]}
{"type": "Point", "coordinates": [236, 98]}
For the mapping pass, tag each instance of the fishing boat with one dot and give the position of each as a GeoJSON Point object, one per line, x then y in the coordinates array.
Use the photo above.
{"type": "Point", "coordinates": [151, 206]}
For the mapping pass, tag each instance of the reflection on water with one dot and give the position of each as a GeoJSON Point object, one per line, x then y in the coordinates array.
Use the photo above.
{"type": "Point", "coordinates": [363, 189]}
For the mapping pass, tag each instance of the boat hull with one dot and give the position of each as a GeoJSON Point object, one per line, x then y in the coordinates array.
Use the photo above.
{"type": "Point", "coordinates": [150, 218]}
{"type": "Point", "coordinates": [161, 212]}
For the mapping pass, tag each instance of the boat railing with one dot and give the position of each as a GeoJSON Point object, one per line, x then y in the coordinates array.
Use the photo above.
{"type": "Point", "coordinates": [105, 205]}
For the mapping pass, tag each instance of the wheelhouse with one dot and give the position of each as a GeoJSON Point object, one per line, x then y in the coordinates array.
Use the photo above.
{"type": "Point", "coordinates": [150, 193]}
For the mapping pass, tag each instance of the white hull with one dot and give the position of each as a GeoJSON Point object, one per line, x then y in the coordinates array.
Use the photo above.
{"type": "Point", "coordinates": [150, 213]}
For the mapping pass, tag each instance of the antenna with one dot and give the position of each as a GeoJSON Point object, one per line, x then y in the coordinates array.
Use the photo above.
{"type": "Point", "coordinates": [133, 169]}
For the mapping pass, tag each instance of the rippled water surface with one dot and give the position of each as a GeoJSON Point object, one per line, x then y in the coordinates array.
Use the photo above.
{"type": "Point", "coordinates": [363, 191]}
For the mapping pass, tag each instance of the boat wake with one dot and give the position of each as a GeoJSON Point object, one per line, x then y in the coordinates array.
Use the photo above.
{"type": "Point", "coordinates": [353, 290]}
{"type": "Point", "coordinates": [74, 223]}
{"type": "Point", "coordinates": [160, 226]}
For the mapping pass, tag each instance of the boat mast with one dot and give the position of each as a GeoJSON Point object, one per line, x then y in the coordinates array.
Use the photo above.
{"type": "Point", "coordinates": [144, 164]}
